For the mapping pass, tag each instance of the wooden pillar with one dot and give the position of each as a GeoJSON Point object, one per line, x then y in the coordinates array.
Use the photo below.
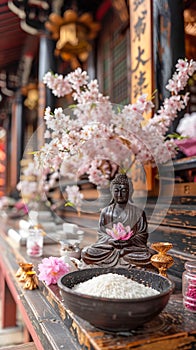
{"type": "Point", "coordinates": [177, 41]}
{"type": "Point", "coordinates": [8, 313]}
{"type": "Point", "coordinates": [168, 31]}
{"type": "Point", "coordinates": [47, 62]}
{"type": "Point", "coordinates": [17, 140]}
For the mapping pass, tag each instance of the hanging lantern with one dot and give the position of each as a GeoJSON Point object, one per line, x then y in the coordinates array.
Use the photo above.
{"type": "Point", "coordinates": [31, 93]}
{"type": "Point", "coordinates": [73, 34]}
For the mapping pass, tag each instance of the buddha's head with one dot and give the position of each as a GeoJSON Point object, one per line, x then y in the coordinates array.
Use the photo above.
{"type": "Point", "coordinates": [121, 188]}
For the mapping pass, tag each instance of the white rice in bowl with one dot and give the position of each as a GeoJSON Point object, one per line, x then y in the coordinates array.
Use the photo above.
{"type": "Point", "coordinates": [114, 286]}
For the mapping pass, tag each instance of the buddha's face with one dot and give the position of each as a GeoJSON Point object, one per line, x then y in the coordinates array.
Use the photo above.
{"type": "Point", "coordinates": [120, 193]}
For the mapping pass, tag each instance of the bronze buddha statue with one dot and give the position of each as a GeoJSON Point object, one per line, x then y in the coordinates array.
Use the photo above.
{"type": "Point", "coordinates": [111, 252]}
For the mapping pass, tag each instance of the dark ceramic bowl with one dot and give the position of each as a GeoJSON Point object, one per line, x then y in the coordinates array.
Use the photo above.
{"type": "Point", "coordinates": [115, 314]}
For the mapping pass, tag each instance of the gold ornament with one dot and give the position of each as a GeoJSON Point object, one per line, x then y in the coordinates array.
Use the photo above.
{"type": "Point", "coordinates": [31, 281]}
{"type": "Point", "coordinates": [27, 276]}
{"type": "Point", "coordinates": [31, 93]}
{"type": "Point", "coordinates": [162, 261]}
{"type": "Point", "coordinates": [23, 269]}
{"type": "Point", "coordinates": [74, 34]}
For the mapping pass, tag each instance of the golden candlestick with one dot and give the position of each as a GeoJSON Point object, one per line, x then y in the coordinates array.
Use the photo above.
{"type": "Point", "coordinates": [162, 261]}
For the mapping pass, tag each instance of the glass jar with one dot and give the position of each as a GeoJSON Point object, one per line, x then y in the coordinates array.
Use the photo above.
{"type": "Point", "coordinates": [189, 286]}
{"type": "Point", "coordinates": [35, 241]}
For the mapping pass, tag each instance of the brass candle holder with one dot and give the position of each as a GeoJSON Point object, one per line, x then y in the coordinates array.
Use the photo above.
{"type": "Point", "coordinates": [162, 261]}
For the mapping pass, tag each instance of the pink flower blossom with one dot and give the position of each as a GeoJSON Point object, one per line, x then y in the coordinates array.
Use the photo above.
{"type": "Point", "coordinates": [182, 65]}
{"type": "Point", "coordinates": [60, 86]}
{"type": "Point", "coordinates": [119, 232]}
{"type": "Point", "coordinates": [74, 196]}
{"type": "Point", "coordinates": [96, 129]}
{"type": "Point", "coordinates": [21, 206]}
{"type": "Point", "coordinates": [51, 269]}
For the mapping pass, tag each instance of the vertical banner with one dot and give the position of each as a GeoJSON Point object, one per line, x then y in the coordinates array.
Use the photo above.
{"type": "Point", "coordinates": [142, 75]}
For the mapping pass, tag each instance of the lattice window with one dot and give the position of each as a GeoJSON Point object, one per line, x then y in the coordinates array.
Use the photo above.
{"type": "Point", "coordinates": [113, 60]}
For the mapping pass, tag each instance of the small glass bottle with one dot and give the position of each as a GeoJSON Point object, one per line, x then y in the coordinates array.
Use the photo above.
{"type": "Point", "coordinates": [35, 242]}
{"type": "Point", "coordinates": [189, 286]}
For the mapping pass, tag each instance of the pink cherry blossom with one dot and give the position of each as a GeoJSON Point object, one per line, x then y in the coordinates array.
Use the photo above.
{"type": "Point", "coordinates": [60, 86]}
{"type": "Point", "coordinates": [74, 195]}
{"type": "Point", "coordinates": [96, 129]}
{"type": "Point", "coordinates": [51, 269]}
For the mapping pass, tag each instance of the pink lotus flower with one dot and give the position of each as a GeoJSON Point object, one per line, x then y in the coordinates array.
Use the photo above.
{"type": "Point", "coordinates": [51, 269]}
{"type": "Point", "coordinates": [119, 232]}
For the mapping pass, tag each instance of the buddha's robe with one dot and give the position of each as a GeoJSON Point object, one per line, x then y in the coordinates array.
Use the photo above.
{"type": "Point", "coordinates": [107, 251]}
